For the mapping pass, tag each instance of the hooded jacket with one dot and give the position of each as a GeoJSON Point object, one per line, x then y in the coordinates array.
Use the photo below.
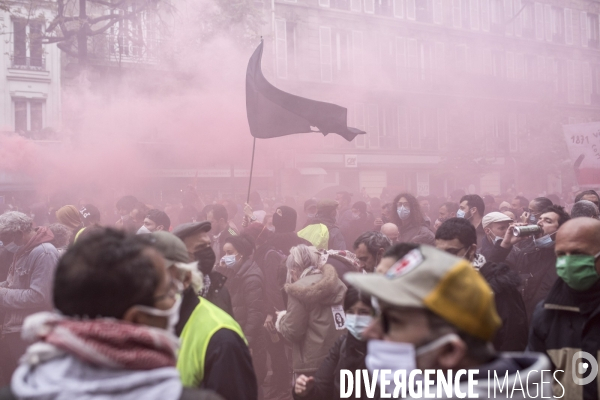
{"type": "Point", "coordinates": [309, 323]}
{"type": "Point", "coordinates": [247, 289]}
{"type": "Point", "coordinates": [28, 287]}
{"type": "Point", "coordinates": [568, 321]}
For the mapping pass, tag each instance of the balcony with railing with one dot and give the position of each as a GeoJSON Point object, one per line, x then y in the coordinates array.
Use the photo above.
{"type": "Point", "coordinates": [29, 63]}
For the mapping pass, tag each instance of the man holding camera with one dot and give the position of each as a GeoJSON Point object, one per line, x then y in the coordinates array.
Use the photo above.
{"type": "Point", "coordinates": [535, 262]}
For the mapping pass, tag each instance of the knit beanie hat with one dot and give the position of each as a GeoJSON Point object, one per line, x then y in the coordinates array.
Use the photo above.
{"type": "Point", "coordinates": [69, 216]}
{"type": "Point", "coordinates": [284, 219]}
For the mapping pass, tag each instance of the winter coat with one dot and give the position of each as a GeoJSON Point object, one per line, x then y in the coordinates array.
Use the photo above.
{"type": "Point", "coordinates": [347, 353]}
{"type": "Point", "coordinates": [336, 238]}
{"type": "Point", "coordinates": [536, 268]}
{"type": "Point", "coordinates": [565, 323]}
{"type": "Point", "coordinates": [309, 323]}
{"type": "Point", "coordinates": [247, 297]}
{"type": "Point", "coordinates": [357, 227]}
{"type": "Point", "coordinates": [30, 289]}
{"type": "Point", "coordinates": [410, 233]}
{"type": "Point", "coordinates": [512, 335]}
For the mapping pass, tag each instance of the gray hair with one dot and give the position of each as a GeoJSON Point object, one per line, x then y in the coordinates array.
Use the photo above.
{"type": "Point", "coordinates": [15, 221]}
{"type": "Point", "coordinates": [584, 208]}
{"type": "Point", "coordinates": [302, 257]}
{"type": "Point", "coordinates": [62, 235]}
{"type": "Point", "coordinates": [373, 241]}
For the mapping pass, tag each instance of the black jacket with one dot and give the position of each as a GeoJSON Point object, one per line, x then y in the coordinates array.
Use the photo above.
{"type": "Point", "coordinates": [512, 336]}
{"type": "Point", "coordinates": [247, 297]}
{"type": "Point", "coordinates": [271, 258]}
{"type": "Point", "coordinates": [357, 227]}
{"type": "Point", "coordinates": [346, 353]}
{"type": "Point", "coordinates": [566, 322]}
{"type": "Point", "coordinates": [536, 268]}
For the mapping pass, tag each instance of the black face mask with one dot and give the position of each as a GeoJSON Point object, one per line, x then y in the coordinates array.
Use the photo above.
{"type": "Point", "coordinates": [206, 260]}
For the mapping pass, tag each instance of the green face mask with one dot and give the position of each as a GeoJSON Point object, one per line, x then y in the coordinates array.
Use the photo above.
{"type": "Point", "coordinates": [578, 270]}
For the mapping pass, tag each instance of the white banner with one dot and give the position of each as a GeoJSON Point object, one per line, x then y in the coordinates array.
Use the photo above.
{"type": "Point", "coordinates": [583, 141]}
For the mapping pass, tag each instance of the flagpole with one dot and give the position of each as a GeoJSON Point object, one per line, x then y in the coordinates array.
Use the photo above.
{"type": "Point", "coordinates": [251, 170]}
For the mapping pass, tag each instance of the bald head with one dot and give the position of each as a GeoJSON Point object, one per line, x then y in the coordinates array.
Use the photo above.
{"type": "Point", "coordinates": [391, 231]}
{"type": "Point", "coordinates": [578, 236]}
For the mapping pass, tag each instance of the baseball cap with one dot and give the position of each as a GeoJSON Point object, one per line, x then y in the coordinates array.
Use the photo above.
{"type": "Point", "coordinates": [494, 217]}
{"type": "Point", "coordinates": [433, 279]}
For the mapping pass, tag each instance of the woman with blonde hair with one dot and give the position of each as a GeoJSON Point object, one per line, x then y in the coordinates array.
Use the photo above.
{"type": "Point", "coordinates": [314, 318]}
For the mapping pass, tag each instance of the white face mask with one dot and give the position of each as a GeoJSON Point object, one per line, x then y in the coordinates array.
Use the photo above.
{"type": "Point", "coordinates": [172, 314]}
{"type": "Point", "coordinates": [143, 230]}
{"type": "Point", "coordinates": [544, 241]}
{"type": "Point", "coordinates": [356, 324]}
{"type": "Point", "coordinates": [397, 356]}
{"type": "Point", "coordinates": [12, 247]}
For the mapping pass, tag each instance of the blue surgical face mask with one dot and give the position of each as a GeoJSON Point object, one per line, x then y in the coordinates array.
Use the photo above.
{"type": "Point", "coordinates": [532, 219]}
{"type": "Point", "coordinates": [229, 260]}
{"type": "Point", "coordinates": [403, 212]}
{"type": "Point", "coordinates": [460, 214]}
{"type": "Point", "coordinates": [544, 241]}
{"type": "Point", "coordinates": [356, 324]}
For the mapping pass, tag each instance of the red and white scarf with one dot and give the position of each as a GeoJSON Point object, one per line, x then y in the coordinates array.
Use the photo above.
{"type": "Point", "coordinates": [103, 342]}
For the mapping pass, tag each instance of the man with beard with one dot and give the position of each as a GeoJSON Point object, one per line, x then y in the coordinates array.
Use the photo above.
{"type": "Point", "coordinates": [472, 208]}
{"type": "Point", "coordinates": [369, 248]}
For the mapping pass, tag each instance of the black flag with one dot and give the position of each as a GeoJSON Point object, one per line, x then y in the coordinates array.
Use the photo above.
{"type": "Point", "coordinates": [273, 112]}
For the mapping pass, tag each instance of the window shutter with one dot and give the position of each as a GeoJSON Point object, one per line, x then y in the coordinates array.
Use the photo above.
{"type": "Point", "coordinates": [410, 9]}
{"type": "Point", "coordinates": [456, 14]}
{"type": "Point", "coordinates": [568, 26]}
{"type": "Point", "coordinates": [401, 58]}
{"type": "Point", "coordinates": [539, 21]}
{"type": "Point", "coordinates": [474, 14]}
{"type": "Point", "coordinates": [518, 20]}
{"type": "Point", "coordinates": [584, 28]}
{"type": "Point", "coordinates": [485, 15]}
{"type": "Point", "coordinates": [326, 54]}
{"type": "Point", "coordinates": [398, 8]}
{"type": "Point", "coordinates": [519, 67]}
{"type": "Point", "coordinates": [359, 123]}
{"type": "Point", "coordinates": [587, 83]}
{"type": "Point", "coordinates": [508, 14]}
{"type": "Point", "coordinates": [357, 56]}
{"type": "Point", "coordinates": [281, 47]}
{"type": "Point", "coordinates": [548, 22]}
{"type": "Point", "coordinates": [373, 125]}
{"type": "Point", "coordinates": [571, 81]}
{"type": "Point", "coordinates": [510, 65]}
{"type": "Point", "coordinates": [438, 11]}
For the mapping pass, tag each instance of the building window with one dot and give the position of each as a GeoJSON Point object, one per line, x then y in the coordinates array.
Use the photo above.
{"type": "Point", "coordinates": [325, 50]}
{"type": "Point", "coordinates": [497, 16]}
{"type": "Point", "coordinates": [28, 115]}
{"type": "Point", "coordinates": [424, 10]}
{"type": "Point", "coordinates": [589, 30]}
{"type": "Point", "coordinates": [340, 4]}
{"type": "Point", "coordinates": [27, 44]}
{"type": "Point", "coordinates": [389, 138]}
{"type": "Point", "coordinates": [384, 7]}
{"type": "Point", "coordinates": [558, 25]}
{"type": "Point", "coordinates": [527, 20]}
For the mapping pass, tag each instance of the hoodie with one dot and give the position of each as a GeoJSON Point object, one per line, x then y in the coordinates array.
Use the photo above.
{"type": "Point", "coordinates": [314, 318]}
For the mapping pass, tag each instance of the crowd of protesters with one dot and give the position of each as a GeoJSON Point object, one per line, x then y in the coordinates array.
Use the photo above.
{"type": "Point", "coordinates": [271, 300]}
